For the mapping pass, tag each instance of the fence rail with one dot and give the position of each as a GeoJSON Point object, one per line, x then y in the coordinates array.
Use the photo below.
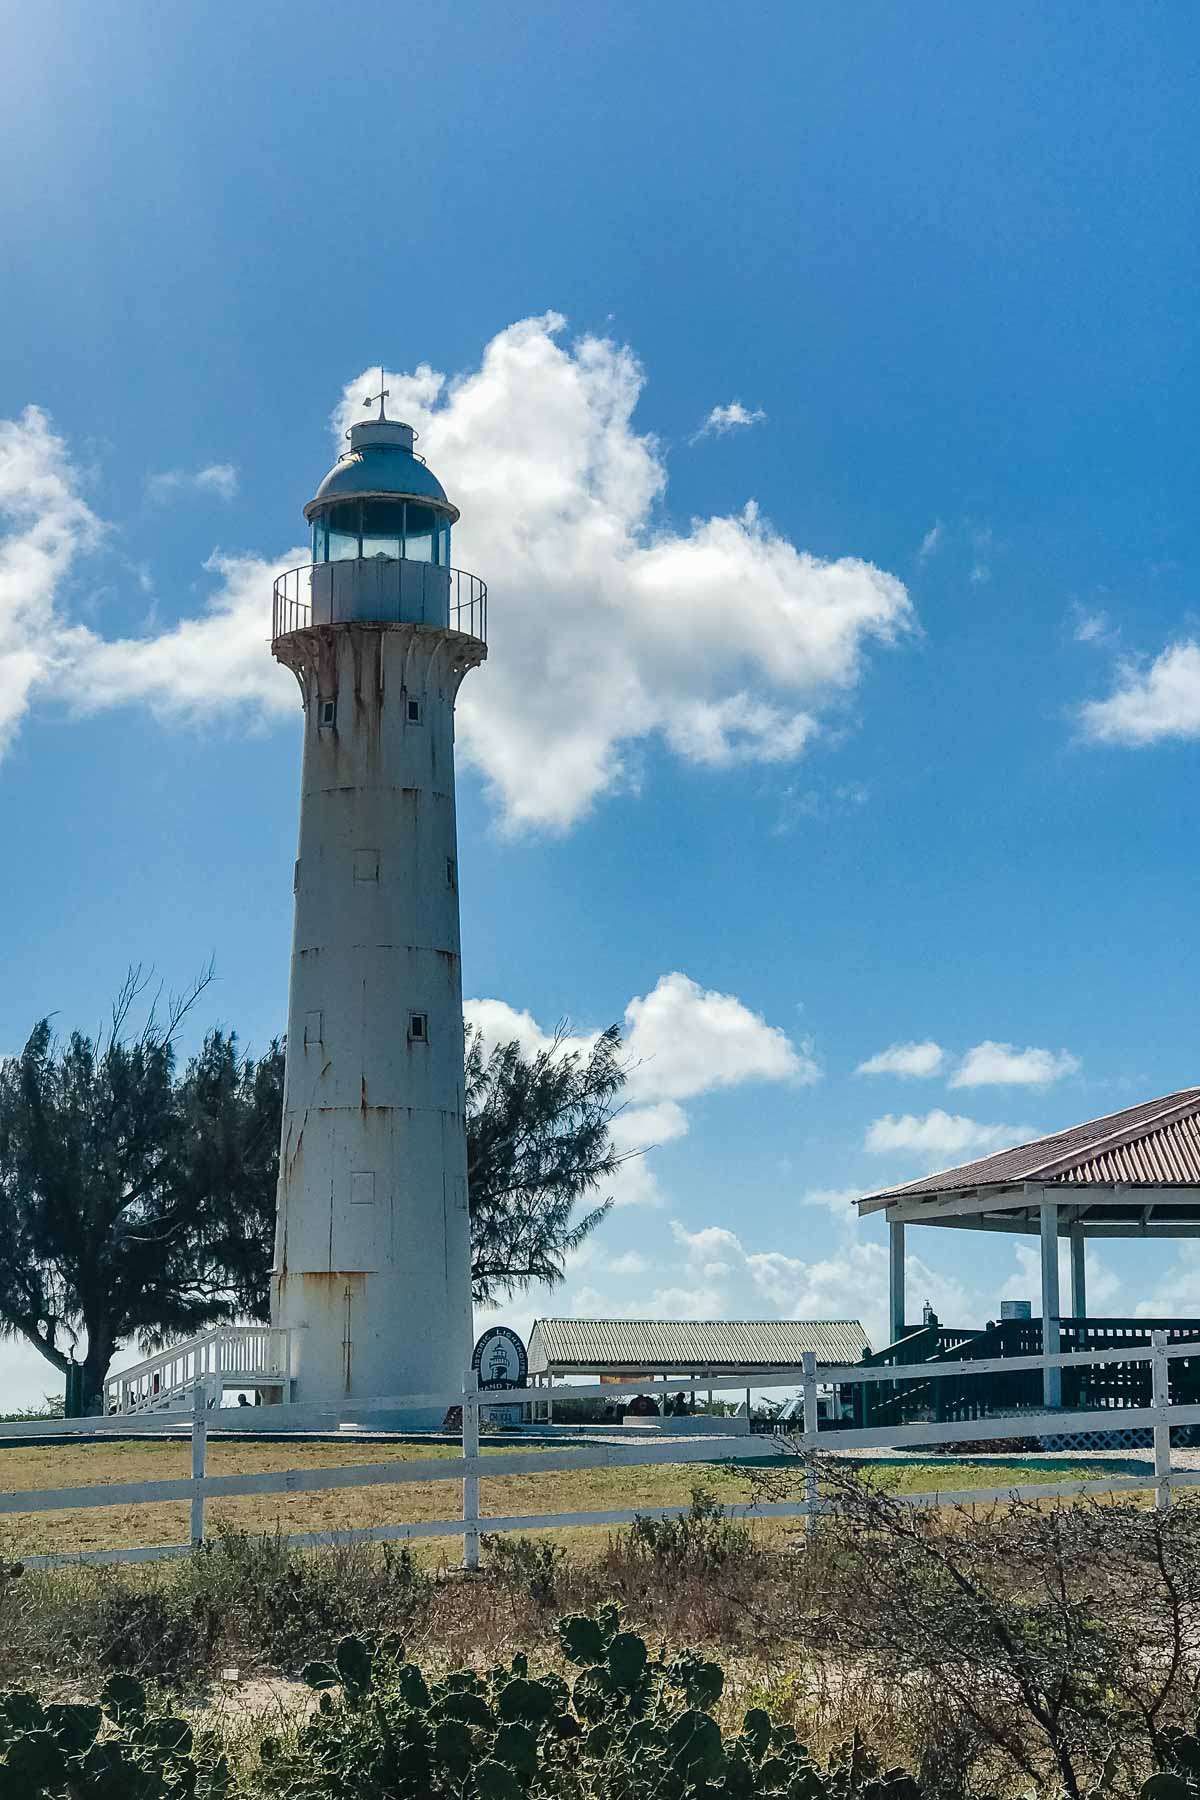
{"type": "Point", "coordinates": [1161, 1415]}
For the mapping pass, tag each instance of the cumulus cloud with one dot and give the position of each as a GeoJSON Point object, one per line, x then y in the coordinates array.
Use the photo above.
{"type": "Point", "coordinates": [916, 1059]}
{"type": "Point", "coordinates": [47, 529]}
{"type": "Point", "coordinates": [724, 419]}
{"type": "Point", "coordinates": [216, 663]}
{"type": "Point", "coordinates": [215, 478]}
{"type": "Point", "coordinates": [686, 1040]}
{"type": "Point", "coordinates": [939, 1133]}
{"type": "Point", "coordinates": [682, 1042]}
{"type": "Point", "coordinates": [611, 625]}
{"type": "Point", "coordinates": [1149, 704]}
{"type": "Point", "coordinates": [724, 1280]}
{"type": "Point", "coordinates": [1002, 1065]}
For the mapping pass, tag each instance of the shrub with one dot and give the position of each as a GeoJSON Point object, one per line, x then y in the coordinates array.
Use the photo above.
{"type": "Point", "coordinates": [703, 1537]}
{"type": "Point", "coordinates": [285, 1607]}
{"type": "Point", "coordinates": [531, 1565]}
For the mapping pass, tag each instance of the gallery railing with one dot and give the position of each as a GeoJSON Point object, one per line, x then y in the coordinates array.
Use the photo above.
{"type": "Point", "coordinates": [379, 590]}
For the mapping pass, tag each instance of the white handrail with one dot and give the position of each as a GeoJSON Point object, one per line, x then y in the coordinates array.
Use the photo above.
{"type": "Point", "coordinates": [257, 1353]}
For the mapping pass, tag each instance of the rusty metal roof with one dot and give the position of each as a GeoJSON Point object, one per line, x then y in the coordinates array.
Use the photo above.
{"type": "Point", "coordinates": [1154, 1144]}
{"type": "Point", "coordinates": [678, 1346]}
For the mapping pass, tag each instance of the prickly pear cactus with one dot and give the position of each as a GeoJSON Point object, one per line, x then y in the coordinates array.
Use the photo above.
{"type": "Point", "coordinates": [631, 1725]}
{"type": "Point", "coordinates": [118, 1750]}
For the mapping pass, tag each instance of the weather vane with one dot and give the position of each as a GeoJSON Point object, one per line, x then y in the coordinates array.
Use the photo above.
{"type": "Point", "coordinates": [381, 396]}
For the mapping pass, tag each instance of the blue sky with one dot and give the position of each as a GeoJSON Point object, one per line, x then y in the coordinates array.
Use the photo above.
{"type": "Point", "coordinates": [906, 753]}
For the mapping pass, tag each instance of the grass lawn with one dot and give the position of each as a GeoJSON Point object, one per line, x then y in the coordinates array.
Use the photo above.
{"type": "Point", "coordinates": [574, 1490]}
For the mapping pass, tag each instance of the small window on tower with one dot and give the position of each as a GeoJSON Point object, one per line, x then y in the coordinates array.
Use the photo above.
{"type": "Point", "coordinates": [451, 872]}
{"type": "Point", "coordinates": [313, 1029]}
{"type": "Point", "coordinates": [414, 712]}
{"type": "Point", "coordinates": [366, 865]}
{"type": "Point", "coordinates": [327, 712]}
{"type": "Point", "coordinates": [418, 1028]}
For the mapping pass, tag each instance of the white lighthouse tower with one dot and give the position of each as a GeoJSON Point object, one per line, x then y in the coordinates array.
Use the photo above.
{"type": "Point", "coordinates": [372, 1250]}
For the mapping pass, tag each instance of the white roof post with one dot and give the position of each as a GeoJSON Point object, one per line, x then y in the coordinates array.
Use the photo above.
{"type": "Point", "coordinates": [1051, 1378]}
{"type": "Point", "coordinates": [1078, 1273]}
{"type": "Point", "coordinates": [896, 1301]}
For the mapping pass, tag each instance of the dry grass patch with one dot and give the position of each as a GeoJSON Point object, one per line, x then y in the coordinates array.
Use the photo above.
{"type": "Point", "coordinates": [649, 1487]}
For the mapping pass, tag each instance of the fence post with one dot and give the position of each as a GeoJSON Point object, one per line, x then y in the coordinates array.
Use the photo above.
{"type": "Point", "coordinates": [470, 1437]}
{"type": "Point", "coordinates": [199, 1451]}
{"type": "Point", "coordinates": [1160, 1400]}
{"type": "Point", "coordinates": [808, 1368]}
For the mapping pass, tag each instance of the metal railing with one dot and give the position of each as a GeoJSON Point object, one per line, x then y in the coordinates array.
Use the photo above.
{"type": "Point", "coordinates": [412, 592]}
{"type": "Point", "coordinates": [1160, 1416]}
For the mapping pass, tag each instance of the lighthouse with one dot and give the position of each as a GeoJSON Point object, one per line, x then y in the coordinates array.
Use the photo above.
{"type": "Point", "coordinates": [372, 1274]}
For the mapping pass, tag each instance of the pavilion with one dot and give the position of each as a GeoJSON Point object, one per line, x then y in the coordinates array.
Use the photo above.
{"type": "Point", "coordinates": [1131, 1174]}
{"type": "Point", "coordinates": [650, 1350]}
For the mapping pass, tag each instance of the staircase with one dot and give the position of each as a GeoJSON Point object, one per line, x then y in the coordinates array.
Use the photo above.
{"type": "Point", "coordinates": [228, 1358]}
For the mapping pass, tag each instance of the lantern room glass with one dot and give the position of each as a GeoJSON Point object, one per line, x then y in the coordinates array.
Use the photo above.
{"type": "Point", "coordinates": [393, 529]}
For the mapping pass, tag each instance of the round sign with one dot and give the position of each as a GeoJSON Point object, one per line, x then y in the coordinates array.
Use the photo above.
{"type": "Point", "coordinates": [500, 1360]}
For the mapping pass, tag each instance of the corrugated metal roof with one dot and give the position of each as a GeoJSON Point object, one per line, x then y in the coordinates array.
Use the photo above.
{"type": "Point", "coordinates": [672, 1346]}
{"type": "Point", "coordinates": [1156, 1143]}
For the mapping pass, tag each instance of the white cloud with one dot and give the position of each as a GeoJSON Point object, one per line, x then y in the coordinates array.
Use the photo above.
{"type": "Point", "coordinates": [686, 1040]}
{"type": "Point", "coordinates": [682, 1041]}
{"type": "Point", "coordinates": [628, 1263]}
{"type": "Point", "coordinates": [724, 419]}
{"type": "Point", "coordinates": [932, 541]}
{"type": "Point", "coordinates": [213, 665]}
{"type": "Point", "coordinates": [216, 478]}
{"type": "Point", "coordinates": [612, 626]}
{"type": "Point", "coordinates": [939, 1133]}
{"type": "Point", "coordinates": [917, 1059]}
{"type": "Point", "coordinates": [500, 1023]}
{"type": "Point", "coordinates": [48, 529]}
{"type": "Point", "coordinates": [1149, 704]}
{"type": "Point", "coordinates": [1002, 1065]}
{"type": "Point", "coordinates": [1092, 628]}
{"type": "Point", "coordinates": [838, 1202]}
{"type": "Point", "coordinates": [848, 1283]}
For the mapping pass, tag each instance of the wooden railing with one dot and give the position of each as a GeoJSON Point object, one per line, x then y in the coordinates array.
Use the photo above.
{"type": "Point", "coordinates": [257, 1354]}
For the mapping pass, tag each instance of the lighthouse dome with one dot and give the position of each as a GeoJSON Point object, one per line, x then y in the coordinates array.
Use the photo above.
{"type": "Point", "coordinates": [381, 500]}
{"type": "Point", "coordinates": [380, 460]}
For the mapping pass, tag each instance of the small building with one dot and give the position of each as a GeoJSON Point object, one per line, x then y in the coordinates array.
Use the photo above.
{"type": "Point", "coordinates": [661, 1350]}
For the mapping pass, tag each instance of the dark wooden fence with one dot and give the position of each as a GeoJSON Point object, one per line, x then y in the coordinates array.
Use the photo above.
{"type": "Point", "coordinates": [1098, 1387]}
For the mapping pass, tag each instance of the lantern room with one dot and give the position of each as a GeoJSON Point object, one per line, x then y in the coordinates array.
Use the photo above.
{"type": "Point", "coordinates": [381, 525]}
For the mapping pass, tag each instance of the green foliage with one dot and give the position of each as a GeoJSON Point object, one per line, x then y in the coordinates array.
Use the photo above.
{"type": "Point", "coordinates": [703, 1537]}
{"type": "Point", "coordinates": [633, 1726]}
{"type": "Point", "coordinates": [290, 1607]}
{"type": "Point", "coordinates": [538, 1141]}
{"type": "Point", "coordinates": [118, 1750]}
{"type": "Point", "coordinates": [135, 1202]}
{"type": "Point", "coordinates": [528, 1564]}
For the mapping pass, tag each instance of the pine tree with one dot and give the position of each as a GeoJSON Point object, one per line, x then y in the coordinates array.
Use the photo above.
{"type": "Point", "coordinates": [137, 1204]}
{"type": "Point", "coordinates": [122, 1186]}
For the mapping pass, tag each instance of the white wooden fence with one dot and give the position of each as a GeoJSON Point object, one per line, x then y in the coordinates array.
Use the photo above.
{"type": "Point", "coordinates": [1159, 1416]}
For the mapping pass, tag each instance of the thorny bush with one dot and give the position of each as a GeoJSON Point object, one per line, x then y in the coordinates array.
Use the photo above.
{"type": "Point", "coordinates": [1061, 1639]}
